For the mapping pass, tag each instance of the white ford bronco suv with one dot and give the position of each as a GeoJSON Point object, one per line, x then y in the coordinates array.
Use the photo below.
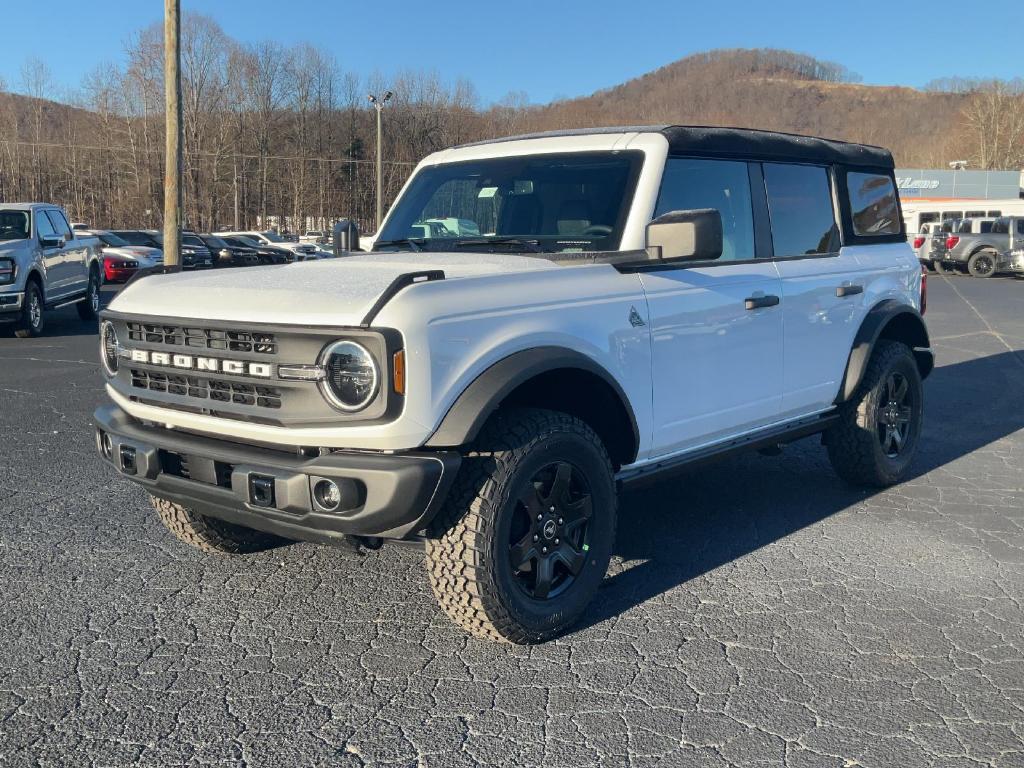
{"type": "Point", "coordinates": [619, 303]}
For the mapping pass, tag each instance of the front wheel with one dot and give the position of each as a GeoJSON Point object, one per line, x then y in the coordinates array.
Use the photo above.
{"type": "Point", "coordinates": [210, 534]}
{"type": "Point", "coordinates": [30, 324]}
{"type": "Point", "coordinates": [982, 263]}
{"type": "Point", "coordinates": [878, 430]}
{"type": "Point", "coordinates": [526, 535]}
{"type": "Point", "coordinates": [89, 307]}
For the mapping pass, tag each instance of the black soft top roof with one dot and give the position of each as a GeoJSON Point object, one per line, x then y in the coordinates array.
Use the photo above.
{"type": "Point", "coordinates": [749, 143]}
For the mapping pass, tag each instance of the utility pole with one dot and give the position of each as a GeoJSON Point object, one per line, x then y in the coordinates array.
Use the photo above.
{"type": "Point", "coordinates": [172, 111]}
{"type": "Point", "coordinates": [378, 104]}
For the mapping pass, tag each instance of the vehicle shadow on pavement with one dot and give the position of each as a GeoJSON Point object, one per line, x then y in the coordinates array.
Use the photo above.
{"type": "Point", "coordinates": [706, 517]}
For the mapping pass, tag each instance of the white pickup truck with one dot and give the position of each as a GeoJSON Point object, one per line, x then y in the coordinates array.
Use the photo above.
{"type": "Point", "coordinates": [613, 305]}
{"type": "Point", "coordinates": [44, 264]}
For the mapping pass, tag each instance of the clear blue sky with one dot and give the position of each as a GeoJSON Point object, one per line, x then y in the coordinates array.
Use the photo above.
{"type": "Point", "coordinates": [549, 48]}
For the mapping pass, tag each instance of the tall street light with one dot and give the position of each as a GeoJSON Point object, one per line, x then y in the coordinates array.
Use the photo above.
{"type": "Point", "coordinates": [378, 104]}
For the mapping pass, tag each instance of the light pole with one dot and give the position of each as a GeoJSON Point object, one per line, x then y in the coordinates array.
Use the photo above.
{"type": "Point", "coordinates": [172, 108]}
{"type": "Point", "coordinates": [378, 104]}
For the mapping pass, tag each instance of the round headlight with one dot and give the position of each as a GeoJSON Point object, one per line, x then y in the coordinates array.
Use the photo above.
{"type": "Point", "coordinates": [351, 375]}
{"type": "Point", "coordinates": [108, 347]}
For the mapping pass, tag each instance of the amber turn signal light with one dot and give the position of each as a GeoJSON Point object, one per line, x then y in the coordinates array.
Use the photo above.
{"type": "Point", "coordinates": [398, 366]}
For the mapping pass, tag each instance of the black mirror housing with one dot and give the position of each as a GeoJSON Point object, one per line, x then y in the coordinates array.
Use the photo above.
{"type": "Point", "coordinates": [345, 236]}
{"type": "Point", "coordinates": [692, 235]}
{"type": "Point", "coordinates": [51, 242]}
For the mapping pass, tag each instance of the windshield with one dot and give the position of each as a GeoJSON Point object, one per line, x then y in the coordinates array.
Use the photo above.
{"type": "Point", "coordinates": [192, 240]}
{"type": "Point", "coordinates": [134, 238]}
{"type": "Point", "coordinates": [14, 225]}
{"type": "Point", "coordinates": [214, 242]}
{"type": "Point", "coordinates": [246, 240]}
{"type": "Point", "coordinates": [108, 238]}
{"type": "Point", "coordinates": [273, 237]}
{"type": "Point", "coordinates": [552, 203]}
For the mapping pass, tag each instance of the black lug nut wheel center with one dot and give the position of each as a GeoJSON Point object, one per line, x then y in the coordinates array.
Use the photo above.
{"type": "Point", "coordinates": [548, 540]}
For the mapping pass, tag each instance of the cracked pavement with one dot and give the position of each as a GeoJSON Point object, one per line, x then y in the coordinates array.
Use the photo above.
{"type": "Point", "coordinates": [758, 611]}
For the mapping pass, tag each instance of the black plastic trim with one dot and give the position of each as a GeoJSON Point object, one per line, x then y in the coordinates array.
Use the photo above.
{"type": "Point", "coordinates": [876, 320]}
{"type": "Point", "coordinates": [785, 433]}
{"type": "Point", "coordinates": [402, 491]}
{"type": "Point", "coordinates": [481, 398]}
{"type": "Point", "coordinates": [397, 285]}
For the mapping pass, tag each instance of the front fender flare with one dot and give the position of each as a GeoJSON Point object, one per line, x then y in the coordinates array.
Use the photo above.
{"type": "Point", "coordinates": [481, 398]}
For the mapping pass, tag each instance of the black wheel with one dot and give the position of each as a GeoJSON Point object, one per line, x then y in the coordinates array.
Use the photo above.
{"type": "Point", "coordinates": [945, 267]}
{"type": "Point", "coordinates": [879, 429]}
{"type": "Point", "coordinates": [982, 263]}
{"type": "Point", "coordinates": [210, 534]}
{"type": "Point", "coordinates": [525, 538]}
{"type": "Point", "coordinates": [30, 324]}
{"type": "Point", "coordinates": [89, 307]}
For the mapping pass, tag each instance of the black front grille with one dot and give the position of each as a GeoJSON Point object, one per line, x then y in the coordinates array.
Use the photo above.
{"type": "Point", "coordinates": [256, 342]}
{"type": "Point", "coordinates": [213, 390]}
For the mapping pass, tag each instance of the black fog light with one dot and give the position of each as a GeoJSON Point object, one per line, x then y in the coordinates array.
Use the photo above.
{"type": "Point", "coordinates": [327, 495]}
{"type": "Point", "coordinates": [127, 455]}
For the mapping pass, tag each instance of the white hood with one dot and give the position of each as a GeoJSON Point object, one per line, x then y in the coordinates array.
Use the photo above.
{"type": "Point", "coordinates": [331, 292]}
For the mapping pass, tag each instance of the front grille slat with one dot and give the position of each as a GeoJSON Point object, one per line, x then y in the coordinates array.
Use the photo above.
{"type": "Point", "coordinates": [201, 388]}
{"type": "Point", "coordinates": [232, 340]}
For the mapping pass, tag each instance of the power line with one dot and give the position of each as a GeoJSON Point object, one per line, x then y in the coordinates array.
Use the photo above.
{"type": "Point", "coordinates": [225, 156]}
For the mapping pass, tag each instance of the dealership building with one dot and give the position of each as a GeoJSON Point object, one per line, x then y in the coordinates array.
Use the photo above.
{"type": "Point", "coordinates": [933, 184]}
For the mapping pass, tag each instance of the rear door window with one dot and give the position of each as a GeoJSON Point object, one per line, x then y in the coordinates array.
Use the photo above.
{"type": "Point", "coordinates": [60, 224]}
{"type": "Point", "coordinates": [873, 204]}
{"type": "Point", "coordinates": [800, 205]}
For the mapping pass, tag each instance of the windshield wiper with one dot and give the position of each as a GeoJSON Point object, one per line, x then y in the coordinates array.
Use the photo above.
{"type": "Point", "coordinates": [532, 245]}
{"type": "Point", "coordinates": [414, 243]}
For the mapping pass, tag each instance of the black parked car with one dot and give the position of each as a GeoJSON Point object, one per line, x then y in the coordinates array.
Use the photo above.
{"type": "Point", "coordinates": [268, 254]}
{"type": "Point", "coordinates": [227, 255]}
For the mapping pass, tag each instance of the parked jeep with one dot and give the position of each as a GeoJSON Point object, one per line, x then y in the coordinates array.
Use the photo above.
{"type": "Point", "coordinates": [619, 304]}
{"type": "Point", "coordinates": [44, 264]}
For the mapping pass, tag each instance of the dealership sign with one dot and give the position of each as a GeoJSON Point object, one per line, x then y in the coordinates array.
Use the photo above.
{"type": "Point", "coordinates": [908, 182]}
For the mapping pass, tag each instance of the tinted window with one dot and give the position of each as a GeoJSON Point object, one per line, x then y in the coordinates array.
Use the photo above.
{"type": "Point", "coordinates": [985, 227]}
{"type": "Point", "coordinates": [950, 215]}
{"type": "Point", "coordinates": [60, 224]}
{"type": "Point", "coordinates": [926, 217]}
{"type": "Point", "coordinates": [14, 225]}
{"type": "Point", "coordinates": [973, 214]}
{"type": "Point", "coordinates": [720, 184]}
{"type": "Point", "coordinates": [872, 204]}
{"type": "Point", "coordinates": [800, 204]}
{"type": "Point", "coordinates": [1020, 226]}
{"type": "Point", "coordinates": [44, 226]}
{"type": "Point", "coordinates": [1001, 226]}
{"type": "Point", "coordinates": [995, 213]}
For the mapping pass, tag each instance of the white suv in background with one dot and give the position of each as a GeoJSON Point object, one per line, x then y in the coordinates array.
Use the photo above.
{"type": "Point", "coordinates": [602, 307]}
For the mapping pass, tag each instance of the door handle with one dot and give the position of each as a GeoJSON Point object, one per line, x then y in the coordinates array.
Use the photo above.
{"type": "Point", "coordinates": [757, 302]}
{"type": "Point", "coordinates": [849, 290]}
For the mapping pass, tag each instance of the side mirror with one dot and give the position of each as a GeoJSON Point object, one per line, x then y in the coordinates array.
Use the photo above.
{"type": "Point", "coordinates": [345, 236]}
{"type": "Point", "coordinates": [694, 235]}
{"type": "Point", "coordinates": [51, 242]}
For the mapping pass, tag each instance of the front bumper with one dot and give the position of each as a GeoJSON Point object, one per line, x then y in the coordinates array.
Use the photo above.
{"type": "Point", "coordinates": [11, 302]}
{"type": "Point", "coordinates": [386, 495]}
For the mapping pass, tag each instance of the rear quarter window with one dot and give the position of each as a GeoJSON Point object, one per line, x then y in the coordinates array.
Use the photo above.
{"type": "Point", "coordinates": [873, 205]}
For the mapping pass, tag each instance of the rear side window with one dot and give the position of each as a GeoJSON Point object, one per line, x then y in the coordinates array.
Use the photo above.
{"type": "Point", "coordinates": [800, 205]}
{"type": "Point", "coordinates": [872, 204]}
{"type": "Point", "coordinates": [1020, 226]}
{"type": "Point", "coordinates": [720, 184]}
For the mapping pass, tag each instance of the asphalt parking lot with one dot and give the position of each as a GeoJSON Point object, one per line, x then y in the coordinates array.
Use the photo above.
{"type": "Point", "coordinates": [759, 612]}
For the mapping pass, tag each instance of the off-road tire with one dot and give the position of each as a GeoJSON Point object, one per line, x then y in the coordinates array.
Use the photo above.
{"type": "Point", "coordinates": [465, 553]}
{"type": "Point", "coordinates": [30, 324]}
{"type": "Point", "coordinates": [983, 263]}
{"type": "Point", "coordinates": [210, 534]}
{"type": "Point", "coordinates": [854, 447]}
{"type": "Point", "coordinates": [89, 307]}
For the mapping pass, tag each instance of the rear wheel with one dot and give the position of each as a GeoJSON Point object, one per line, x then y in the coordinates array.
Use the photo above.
{"type": "Point", "coordinates": [210, 534]}
{"type": "Point", "coordinates": [525, 538]}
{"type": "Point", "coordinates": [89, 307]}
{"type": "Point", "coordinates": [30, 324]}
{"type": "Point", "coordinates": [982, 263]}
{"type": "Point", "coordinates": [945, 267]}
{"type": "Point", "coordinates": [877, 433]}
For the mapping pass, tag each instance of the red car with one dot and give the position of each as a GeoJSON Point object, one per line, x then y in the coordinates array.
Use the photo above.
{"type": "Point", "coordinates": [117, 269]}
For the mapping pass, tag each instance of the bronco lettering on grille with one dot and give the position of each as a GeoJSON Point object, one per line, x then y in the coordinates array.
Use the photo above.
{"type": "Point", "coordinates": [197, 363]}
